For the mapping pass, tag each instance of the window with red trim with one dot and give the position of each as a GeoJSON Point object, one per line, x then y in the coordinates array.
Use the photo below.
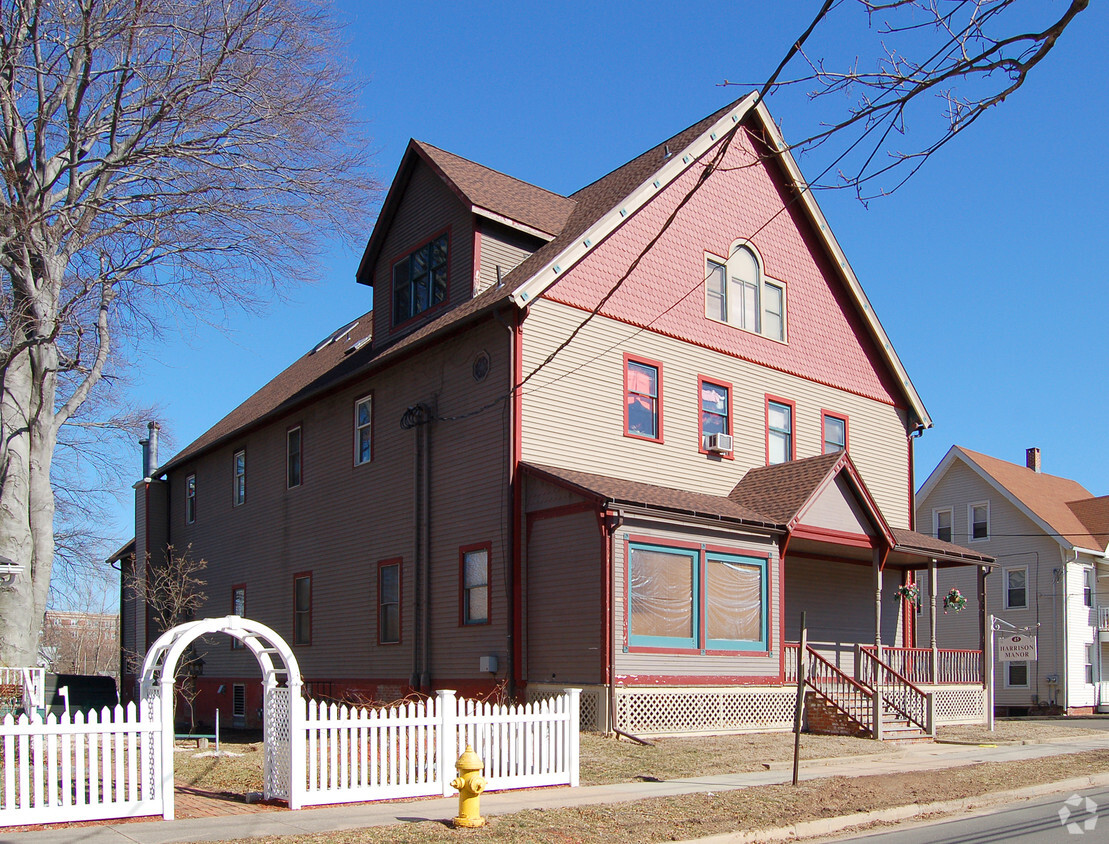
{"type": "Point", "coordinates": [716, 410]}
{"type": "Point", "coordinates": [474, 562]}
{"type": "Point", "coordinates": [302, 609]}
{"type": "Point", "coordinates": [835, 432]}
{"type": "Point", "coordinates": [388, 602]}
{"type": "Point", "coordinates": [420, 280]}
{"type": "Point", "coordinates": [779, 432]}
{"type": "Point", "coordinates": [642, 398]}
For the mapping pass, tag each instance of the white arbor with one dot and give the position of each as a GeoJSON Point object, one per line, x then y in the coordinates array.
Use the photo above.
{"type": "Point", "coordinates": [281, 681]}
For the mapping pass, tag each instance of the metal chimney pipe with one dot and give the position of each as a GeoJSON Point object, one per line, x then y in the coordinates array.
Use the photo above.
{"type": "Point", "coordinates": [150, 450]}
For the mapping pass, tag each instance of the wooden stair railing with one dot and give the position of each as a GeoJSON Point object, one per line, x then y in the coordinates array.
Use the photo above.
{"type": "Point", "coordinates": [895, 692]}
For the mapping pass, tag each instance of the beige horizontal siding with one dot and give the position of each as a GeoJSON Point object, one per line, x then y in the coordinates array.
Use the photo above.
{"type": "Point", "coordinates": [1017, 542]}
{"type": "Point", "coordinates": [573, 411]}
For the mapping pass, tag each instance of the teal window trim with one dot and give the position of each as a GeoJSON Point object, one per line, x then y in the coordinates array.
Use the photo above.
{"type": "Point", "coordinates": [762, 643]}
{"type": "Point", "coordinates": [650, 641]}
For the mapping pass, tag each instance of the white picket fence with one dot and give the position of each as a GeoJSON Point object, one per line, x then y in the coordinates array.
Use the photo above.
{"type": "Point", "coordinates": [107, 765]}
{"type": "Point", "coordinates": [354, 754]}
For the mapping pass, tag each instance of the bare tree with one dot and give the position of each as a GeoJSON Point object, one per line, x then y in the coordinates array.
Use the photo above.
{"type": "Point", "coordinates": [171, 590]}
{"type": "Point", "coordinates": [158, 157]}
{"type": "Point", "coordinates": [967, 56]}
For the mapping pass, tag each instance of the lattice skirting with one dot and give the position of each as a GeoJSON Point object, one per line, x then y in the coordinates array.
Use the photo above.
{"type": "Point", "coordinates": [661, 711]}
{"type": "Point", "coordinates": [593, 708]}
{"type": "Point", "coordinates": [959, 704]}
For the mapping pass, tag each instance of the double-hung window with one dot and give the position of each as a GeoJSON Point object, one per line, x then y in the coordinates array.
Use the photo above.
{"type": "Point", "coordinates": [1089, 664]}
{"type": "Point", "coordinates": [942, 523]}
{"type": "Point", "coordinates": [475, 584]}
{"type": "Point", "coordinates": [363, 430]}
{"type": "Point", "coordinates": [737, 292]}
{"type": "Point", "coordinates": [716, 410]}
{"type": "Point", "coordinates": [835, 432]}
{"type": "Point", "coordinates": [1016, 588]}
{"type": "Point", "coordinates": [292, 454]}
{"type": "Point", "coordinates": [190, 499]}
{"type": "Point", "coordinates": [692, 598]}
{"type": "Point", "coordinates": [779, 431]}
{"type": "Point", "coordinates": [238, 482]}
{"type": "Point", "coordinates": [1016, 675]}
{"type": "Point", "coordinates": [420, 280]}
{"type": "Point", "coordinates": [238, 607]}
{"type": "Point", "coordinates": [642, 398]}
{"type": "Point", "coordinates": [1088, 587]}
{"type": "Point", "coordinates": [388, 602]}
{"type": "Point", "coordinates": [978, 516]}
{"type": "Point", "coordinates": [302, 609]}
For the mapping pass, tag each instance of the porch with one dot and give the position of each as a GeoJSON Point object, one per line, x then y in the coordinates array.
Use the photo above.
{"type": "Point", "coordinates": [1103, 624]}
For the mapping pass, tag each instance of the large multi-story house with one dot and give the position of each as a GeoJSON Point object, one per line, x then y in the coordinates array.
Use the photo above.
{"type": "Point", "coordinates": [1049, 537]}
{"type": "Point", "coordinates": [621, 439]}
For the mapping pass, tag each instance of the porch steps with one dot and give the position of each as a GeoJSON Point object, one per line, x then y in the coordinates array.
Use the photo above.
{"type": "Point", "coordinates": [848, 715]}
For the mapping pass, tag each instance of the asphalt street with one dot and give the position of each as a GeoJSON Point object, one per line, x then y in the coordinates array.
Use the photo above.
{"type": "Point", "coordinates": [1056, 819]}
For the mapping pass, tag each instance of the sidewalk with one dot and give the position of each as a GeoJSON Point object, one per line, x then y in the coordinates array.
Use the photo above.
{"type": "Point", "coordinates": [337, 818]}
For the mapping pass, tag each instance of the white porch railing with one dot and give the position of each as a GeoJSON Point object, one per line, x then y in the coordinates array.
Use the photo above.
{"type": "Point", "coordinates": [1103, 619]}
{"type": "Point", "coordinates": [354, 754]}
{"type": "Point", "coordinates": [74, 768]}
{"type": "Point", "coordinates": [944, 666]}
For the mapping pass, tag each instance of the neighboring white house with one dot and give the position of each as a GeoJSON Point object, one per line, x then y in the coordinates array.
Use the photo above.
{"type": "Point", "coordinates": [1049, 536]}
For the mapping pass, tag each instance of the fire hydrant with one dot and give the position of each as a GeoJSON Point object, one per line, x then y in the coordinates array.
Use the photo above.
{"type": "Point", "coordinates": [470, 783]}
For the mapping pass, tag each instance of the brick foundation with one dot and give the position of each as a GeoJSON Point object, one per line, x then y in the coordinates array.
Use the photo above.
{"type": "Point", "coordinates": [824, 719]}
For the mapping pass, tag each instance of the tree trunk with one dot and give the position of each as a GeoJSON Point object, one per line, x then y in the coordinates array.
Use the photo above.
{"type": "Point", "coordinates": [27, 426]}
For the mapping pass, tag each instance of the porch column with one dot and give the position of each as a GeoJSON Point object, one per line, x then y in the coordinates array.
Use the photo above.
{"type": "Point", "coordinates": [932, 620]}
{"type": "Point", "coordinates": [878, 602]}
{"type": "Point", "coordinates": [983, 621]}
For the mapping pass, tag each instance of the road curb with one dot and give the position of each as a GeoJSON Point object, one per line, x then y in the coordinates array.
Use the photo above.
{"type": "Point", "coordinates": [828, 826]}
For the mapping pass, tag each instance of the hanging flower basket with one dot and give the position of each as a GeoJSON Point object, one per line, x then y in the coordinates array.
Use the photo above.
{"type": "Point", "coordinates": [909, 592]}
{"type": "Point", "coordinates": [954, 601]}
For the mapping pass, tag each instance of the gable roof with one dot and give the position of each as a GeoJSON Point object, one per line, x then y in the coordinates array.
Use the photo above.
{"type": "Point", "coordinates": [804, 478]}
{"type": "Point", "coordinates": [488, 192]}
{"type": "Point", "coordinates": [1045, 499]}
{"type": "Point", "coordinates": [566, 220]}
{"type": "Point", "coordinates": [786, 490]}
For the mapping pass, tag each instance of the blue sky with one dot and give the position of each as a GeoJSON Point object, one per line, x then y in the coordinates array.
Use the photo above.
{"type": "Point", "coordinates": [985, 269]}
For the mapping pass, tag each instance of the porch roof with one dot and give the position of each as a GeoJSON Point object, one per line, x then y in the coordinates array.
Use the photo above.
{"type": "Point", "coordinates": [617, 491]}
{"type": "Point", "coordinates": [782, 502]}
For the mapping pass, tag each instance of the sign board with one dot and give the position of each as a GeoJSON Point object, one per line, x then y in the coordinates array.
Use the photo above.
{"type": "Point", "coordinates": [1016, 647]}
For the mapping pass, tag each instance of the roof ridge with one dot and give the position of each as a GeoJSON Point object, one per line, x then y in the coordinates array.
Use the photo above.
{"type": "Point", "coordinates": [553, 193]}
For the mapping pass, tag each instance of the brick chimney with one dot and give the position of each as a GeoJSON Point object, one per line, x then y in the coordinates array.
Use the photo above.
{"type": "Point", "coordinates": [1032, 459]}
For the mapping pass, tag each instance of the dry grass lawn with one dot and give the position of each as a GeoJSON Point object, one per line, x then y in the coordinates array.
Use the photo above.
{"type": "Point", "coordinates": [699, 815]}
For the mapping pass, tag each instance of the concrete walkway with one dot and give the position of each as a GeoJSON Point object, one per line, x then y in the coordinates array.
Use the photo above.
{"type": "Point", "coordinates": [337, 818]}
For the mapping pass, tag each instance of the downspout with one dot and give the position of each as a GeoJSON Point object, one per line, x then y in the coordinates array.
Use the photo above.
{"type": "Point", "coordinates": [514, 493]}
{"type": "Point", "coordinates": [425, 493]}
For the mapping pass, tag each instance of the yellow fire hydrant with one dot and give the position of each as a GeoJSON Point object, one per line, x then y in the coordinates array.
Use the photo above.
{"type": "Point", "coordinates": [470, 783]}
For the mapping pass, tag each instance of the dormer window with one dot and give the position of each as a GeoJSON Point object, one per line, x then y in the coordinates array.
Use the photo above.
{"type": "Point", "coordinates": [737, 292]}
{"type": "Point", "coordinates": [420, 280]}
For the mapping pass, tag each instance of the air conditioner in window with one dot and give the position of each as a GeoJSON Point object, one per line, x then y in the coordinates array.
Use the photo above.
{"type": "Point", "coordinates": [719, 443]}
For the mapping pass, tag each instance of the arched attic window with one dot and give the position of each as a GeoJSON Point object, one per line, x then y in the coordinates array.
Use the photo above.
{"type": "Point", "coordinates": [738, 293]}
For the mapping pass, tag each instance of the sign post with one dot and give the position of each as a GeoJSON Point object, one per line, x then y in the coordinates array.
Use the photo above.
{"type": "Point", "coordinates": [1015, 644]}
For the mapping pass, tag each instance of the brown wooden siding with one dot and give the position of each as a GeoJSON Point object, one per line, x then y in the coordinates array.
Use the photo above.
{"type": "Point", "coordinates": [427, 209]}
{"type": "Point", "coordinates": [343, 519]}
{"type": "Point", "coordinates": [501, 247]}
{"type": "Point", "coordinates": [573, 411]}
{"type": "Point", "coordinates": [565, 573]}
